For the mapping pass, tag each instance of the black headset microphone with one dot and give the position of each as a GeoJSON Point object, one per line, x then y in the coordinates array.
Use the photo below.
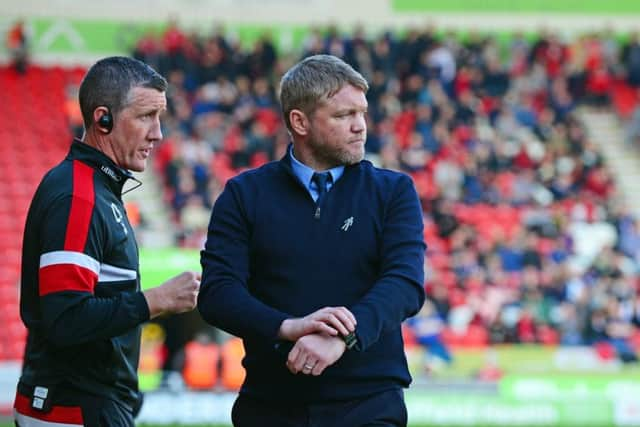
{"type": "Point", "coordinates": [106, 122]}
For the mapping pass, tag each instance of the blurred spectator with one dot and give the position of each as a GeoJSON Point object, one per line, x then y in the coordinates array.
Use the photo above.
{"type": "Point", "coordinates": [599, 84]}
{"type": "Point", "coordinates": [444, 217]}
{"type": "Point", "coordinates": [18, 46]}
{"type": "Point", "coordinates": [72, 110]}
{"type": "Point", "coordinates": [631, 59]}
{"type": "Point", "coordinates": [201, 359]}
{"type": "Point", "coordinates": [427, 326]}
{"type": "Point", "coordinates": [633, 125]}
{"type": "Point", "coordinates": [134, 214]}
{"type": "Point", "coordinates": [173, 43]}
{"type": "Point", "coordinates": [231, 355]}
{"type": "Point", "coordinates": [153, 354]}
{"type": "Point", "coordinates": [490, 370]}
{"type": "Point", "coordinates": [194, 218]}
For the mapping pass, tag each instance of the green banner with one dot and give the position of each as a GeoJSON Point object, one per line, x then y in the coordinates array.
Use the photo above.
{"type": "Point", "coordinates": [158, 265]}
{"type": "Point", "coordinates": [77, 36]}
{"type": "Point", "coordinates": [478, 410]}
{"type": "Point", "coordinates": [618, 7]}
{"type": "Point", "coordinates": [585, 387]}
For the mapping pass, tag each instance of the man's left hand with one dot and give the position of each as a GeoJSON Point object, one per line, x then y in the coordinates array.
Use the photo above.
{"type": "Point", "coordinates": [313, 353]}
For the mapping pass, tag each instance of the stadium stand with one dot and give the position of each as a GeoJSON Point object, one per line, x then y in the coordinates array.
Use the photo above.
{"type": "Point", "coordinates": [489, 131]}
{"type": "Point", "coordinates": [34, 133]}
{"type": "Point", "coordinates": [510, 182]}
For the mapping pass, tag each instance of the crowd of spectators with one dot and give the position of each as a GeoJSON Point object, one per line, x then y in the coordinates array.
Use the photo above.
{"type": "Point", "coordinates": [528, 239]}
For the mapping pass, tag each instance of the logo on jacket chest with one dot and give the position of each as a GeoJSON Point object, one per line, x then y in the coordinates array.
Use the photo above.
{"type": "Point", "coordinates": [119, 217]}
{"type": "Point", "coordinates": [347, 224]}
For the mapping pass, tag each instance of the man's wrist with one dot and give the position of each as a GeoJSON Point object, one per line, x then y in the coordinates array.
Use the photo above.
{"type": "Point", "coordinates": [285, 330]}
{"type": "Point", "coordinates": [350, 340]}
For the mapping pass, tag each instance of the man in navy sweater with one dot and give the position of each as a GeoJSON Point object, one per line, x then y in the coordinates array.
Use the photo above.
{"type": "Point", "coordinates": [314, 261]}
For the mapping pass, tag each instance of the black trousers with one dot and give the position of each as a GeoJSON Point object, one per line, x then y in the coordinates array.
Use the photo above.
{"type": "Point", "coordinates": [386, 409]}
{"type": "Point", "coordinates": [71, 407]}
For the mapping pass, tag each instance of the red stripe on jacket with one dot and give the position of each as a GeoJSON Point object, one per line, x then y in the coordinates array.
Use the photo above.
{"type": "Point", "coordinates": [82, 203]}
{"type": "Point", "coordinates": [58, 414]}
{"type": "Point", "coordinates": [66, 277]}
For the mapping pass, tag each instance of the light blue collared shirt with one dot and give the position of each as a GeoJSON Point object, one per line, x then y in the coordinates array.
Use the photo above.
{"type": "Point", "coordinates": [305, 173]}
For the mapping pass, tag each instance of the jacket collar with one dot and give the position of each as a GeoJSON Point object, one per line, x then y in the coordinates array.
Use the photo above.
{"type": "Point", "coordinates": [114, 175]}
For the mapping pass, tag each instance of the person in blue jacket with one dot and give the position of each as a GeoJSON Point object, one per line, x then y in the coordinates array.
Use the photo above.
{"type": "Point", "coordinates": [314, 261]}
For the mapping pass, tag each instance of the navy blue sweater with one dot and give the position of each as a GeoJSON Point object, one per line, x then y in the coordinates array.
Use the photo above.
{"type": "Point", "coordinates": [269, 256]}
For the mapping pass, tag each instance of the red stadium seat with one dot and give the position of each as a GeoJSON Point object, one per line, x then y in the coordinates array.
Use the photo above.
{"type": "Point", "coordinates": [26, 152]}
{"type": "Point", "coordinates": [475, 337]}
{"type": "Point", "coordinates": [624, 98]}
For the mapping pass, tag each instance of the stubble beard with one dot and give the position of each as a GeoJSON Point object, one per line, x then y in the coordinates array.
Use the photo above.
{"type": "Point", "coordinates": [335, 156]}
{"type": "Point", "coordinates": [353, 158]}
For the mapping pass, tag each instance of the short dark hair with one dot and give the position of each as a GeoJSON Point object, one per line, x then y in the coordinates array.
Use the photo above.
{"type": "Point", "coordinates": [109, 81]}
{"type": "Point", "coordinates": [313, 80]}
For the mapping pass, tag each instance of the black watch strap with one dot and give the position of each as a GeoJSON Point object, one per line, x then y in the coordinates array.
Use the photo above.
{"type": "Point", "coordinates": [350, 340]}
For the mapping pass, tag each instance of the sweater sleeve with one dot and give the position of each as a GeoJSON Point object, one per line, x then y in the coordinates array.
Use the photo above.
{"type": "Point", "coordinates": [224, 299]}
{"type": "Point", "coordinates": [72, 242]}
{"type": "Point", "coordinates": [399, 291]}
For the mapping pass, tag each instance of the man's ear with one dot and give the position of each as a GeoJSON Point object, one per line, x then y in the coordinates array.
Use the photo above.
{"type": "Point", "coordinates": [103, 119]}
{"type": "Point", "coordinates": [299, 122]}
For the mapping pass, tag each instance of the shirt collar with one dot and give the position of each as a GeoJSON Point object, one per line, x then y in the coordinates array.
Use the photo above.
{"type": "Point", "coordinates": [305, 173]}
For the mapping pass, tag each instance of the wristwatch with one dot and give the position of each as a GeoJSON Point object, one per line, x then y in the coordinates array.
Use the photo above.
{"type": "Point", "coordinates": [351, 340]}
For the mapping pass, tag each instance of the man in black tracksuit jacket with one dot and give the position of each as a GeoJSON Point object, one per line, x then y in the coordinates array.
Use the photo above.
{"type": "Point", "coordinates": [317, 276]}
{"type": "Point", "coordinates": [78, 242]}
{"type": "Point", "coordinates": [81, 298]}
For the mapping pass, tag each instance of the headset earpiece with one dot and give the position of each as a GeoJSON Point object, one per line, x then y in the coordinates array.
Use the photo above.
{"type": "Point", "coordinates": [106, 122]}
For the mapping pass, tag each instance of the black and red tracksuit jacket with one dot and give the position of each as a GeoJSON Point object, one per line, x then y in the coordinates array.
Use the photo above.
{"type": "Point", "coordinates": [81, 300]}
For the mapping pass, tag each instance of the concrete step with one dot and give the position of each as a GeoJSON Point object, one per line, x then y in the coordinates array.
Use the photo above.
{"type": "Point", "coordinates": [607, 133]}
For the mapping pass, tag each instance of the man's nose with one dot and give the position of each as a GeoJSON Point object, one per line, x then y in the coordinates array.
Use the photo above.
{"type": "Point", "coordinates": [359, 123]}
{"type": "Point", "coordinates": [156, 131]}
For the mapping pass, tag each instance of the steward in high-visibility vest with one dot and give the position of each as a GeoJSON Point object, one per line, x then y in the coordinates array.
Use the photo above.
{"type": "Point", "coordinates": [201, 358]}
{"type": "Point", "coordinates": [233, 372]}
{"type": "Point", "coordinates": [152, 356]}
